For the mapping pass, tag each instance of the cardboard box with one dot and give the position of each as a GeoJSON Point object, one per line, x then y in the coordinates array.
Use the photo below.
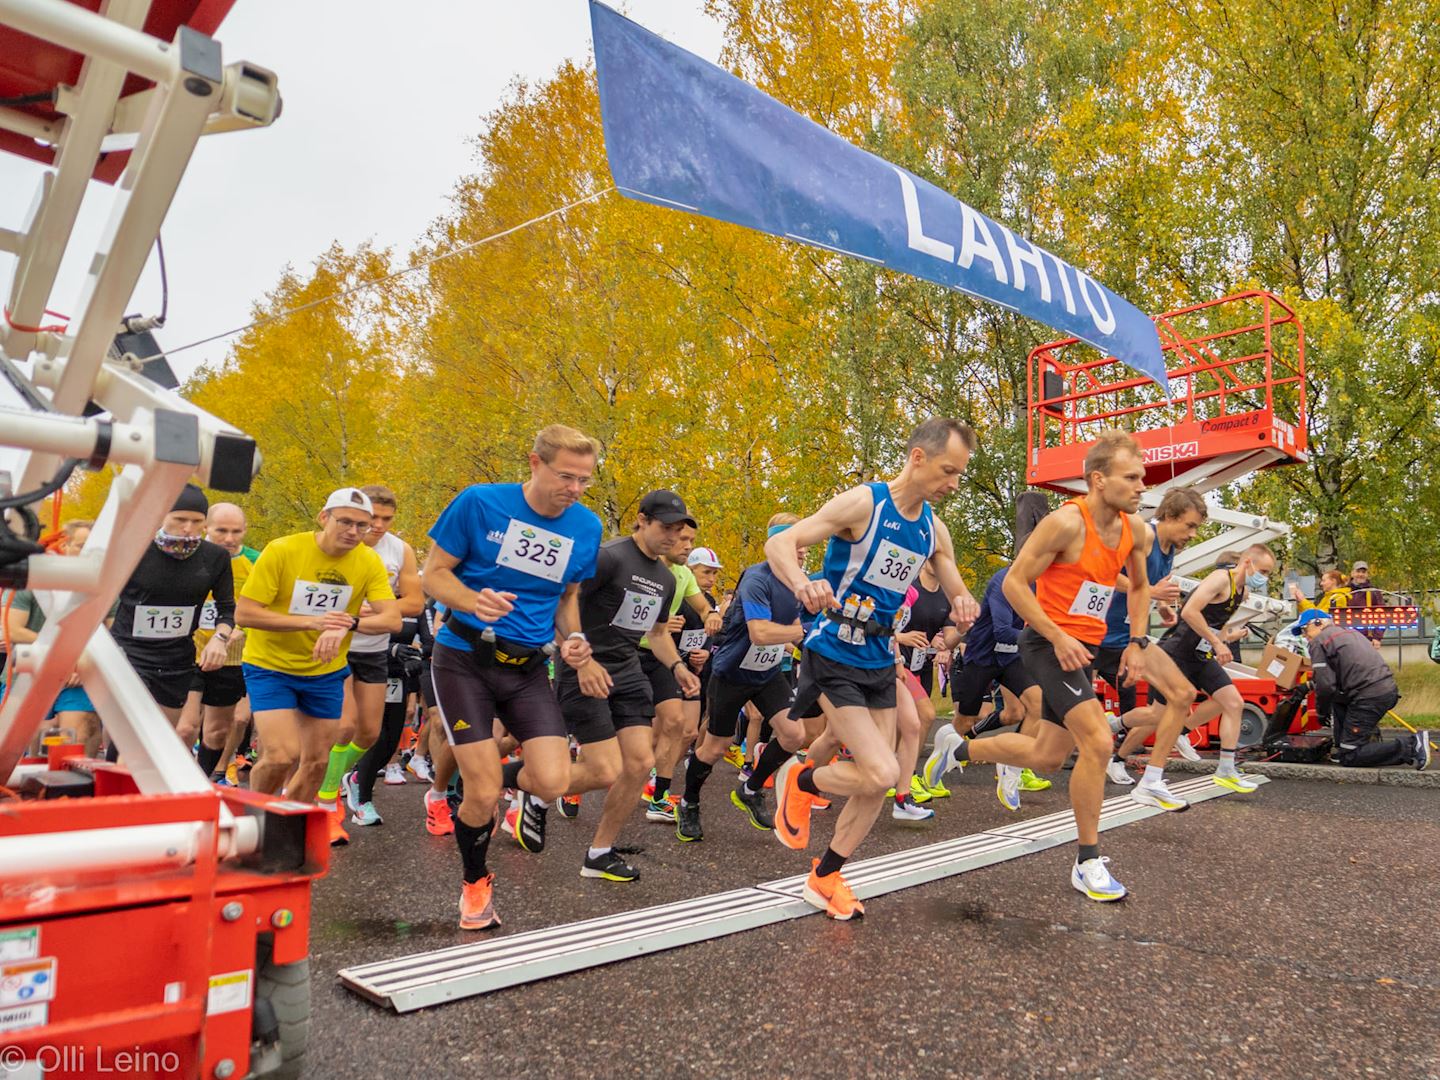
{"type": "Point", "coordinates": [1282, 665]}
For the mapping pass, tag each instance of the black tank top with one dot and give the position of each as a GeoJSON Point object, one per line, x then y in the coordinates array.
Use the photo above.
{"type": "Point", "coordinates": [1216, 615]}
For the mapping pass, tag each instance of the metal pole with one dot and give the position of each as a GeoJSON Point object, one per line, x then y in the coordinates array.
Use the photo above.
{"type": "Point", "coordinates": [90, 34]}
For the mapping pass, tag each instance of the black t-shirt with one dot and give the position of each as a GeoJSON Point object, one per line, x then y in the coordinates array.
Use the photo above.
{"type": "Point", "coordinates": [159, 608]}
{"type": "Point", "coordinates": [628, 595]}
{"type": "Point", "coordinates": [930, 613]}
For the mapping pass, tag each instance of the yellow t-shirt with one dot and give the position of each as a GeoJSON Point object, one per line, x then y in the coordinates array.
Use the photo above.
{"type": "Point", "coordinates": [294, 577]}
{"type": "Point", "coordinates": [240, 567]}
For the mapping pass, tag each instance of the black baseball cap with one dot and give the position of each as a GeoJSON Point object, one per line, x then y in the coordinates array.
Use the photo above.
{"type": "Point", "coordinates": [667, 507]}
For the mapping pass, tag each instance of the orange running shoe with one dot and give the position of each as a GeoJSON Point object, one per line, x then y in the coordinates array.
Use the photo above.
{"type": "Point", "coordinates": [338, 835]}
{"type": "Point", "coordinates": [477, 905]}
{"type": "Point", "coordinates": [792, 809]}
{"type": "Point", "coordinates": [438, 821]}
{"type": "Point", "coordinates": [831, 894]}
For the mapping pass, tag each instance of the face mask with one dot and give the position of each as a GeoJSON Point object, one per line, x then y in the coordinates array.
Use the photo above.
{"type": "Point", "coordinates": [1258, 581]}
{"type": "Point", "coordinates": [177, 547]}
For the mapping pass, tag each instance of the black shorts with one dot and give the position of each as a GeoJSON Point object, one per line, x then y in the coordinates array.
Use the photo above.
{"type": "Point", "coordinates": [427, 687]}
{"type": "Point", "coordinates": [1060, 690]}
{"type": "Point", "coordinates": [843, 684]}
{"type": "Point", "coordinates": [972, 688]}
{"type": "Point", "coordinates": [728, 699]}
{"type": "Point", "coordinates": [370, 667]}
{"type": "Point", "coordinates": [1107, 666]}
{"type": "Point", "coordinates": [663, 686]}
{"type": "Point", "coordinates": [170, 687]}
{"type": "Point", "coordinates": [1206, 675]}
{"type": "Point", "coordinates": [593, 720]}
{"type": "Point", "coordinates": [221, 688]}
{"type": "Point", "coordinates": [470, 697]}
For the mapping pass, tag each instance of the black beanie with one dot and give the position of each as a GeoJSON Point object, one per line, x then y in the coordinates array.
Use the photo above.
{"type": "Point", "coordinates": [191, 500]}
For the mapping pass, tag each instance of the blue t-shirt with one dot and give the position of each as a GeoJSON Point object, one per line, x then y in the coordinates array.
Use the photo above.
{"type": "Point", "coordinates": [880, 567]}
{"type": "Point", "coordinates": [759, 595]}
{"type": "Point", "coordinates": [503, 544]}
{"type": "Point", "coordinates": [1117, 619]}
{"type": "Point", "coordinates": [993, 638]}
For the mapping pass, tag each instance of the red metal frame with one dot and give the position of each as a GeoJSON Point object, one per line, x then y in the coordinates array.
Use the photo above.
{"type": "Point", "coordinates": [1237, 372]}
{"type": "Point", "coordinates": [29, 66]}
{"type": "Point", "coordinates": [135, 951]}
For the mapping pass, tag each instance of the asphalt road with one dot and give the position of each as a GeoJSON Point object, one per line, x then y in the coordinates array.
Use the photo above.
{"type": "Point", "coordinates": [1290, 933]}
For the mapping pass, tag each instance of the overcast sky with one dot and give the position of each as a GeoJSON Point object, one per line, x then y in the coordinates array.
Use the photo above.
{"type": "Point", "coordinates": [382, 101]}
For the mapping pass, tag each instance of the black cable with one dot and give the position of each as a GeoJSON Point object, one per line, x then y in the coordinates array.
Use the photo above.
{"type": "Point", "coordinates": [164, 282]}
{"type": "Point", "coordinates": [68, 466]}
{"type": "Point", "coordinates": [46, 97]}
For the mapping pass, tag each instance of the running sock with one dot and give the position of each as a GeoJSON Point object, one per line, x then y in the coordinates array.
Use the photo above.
{"type": "Point", "coordinates": [1154, 774]}
{"type": "Point", "coordinates": [431, 795]}
{"type": "Point", "coordinates": [662, 788]}
{"type": "Point", "coordinates": [901, 796]}
{"type": "Point", "coordinates": [1227, 761]}
{"type": "Point", "coordinates": [538, 803]}
{"type": "Point", "coordinates": [962, 753]}
{"type": "Point", "coordinates": [208, 759]}
{"type": "Point", "coordinates": [1088, 852]}
{"type": "Point", "coordinates": [510, 773]}
{"type": "Point", "coordinates": [342, 760]}
{"type": "Point", "coordinates": [830, 863]}
{"type": "Point", "coordinates": [806, 782]}
{"type": "Point", "coordinates": [771, 758]}
{"type": "Point", "coordinates": [596, 852]}
{"type": "Point", "coordinates": [473, 842]}
{"type": "Point", "coordinates": [696, 773]}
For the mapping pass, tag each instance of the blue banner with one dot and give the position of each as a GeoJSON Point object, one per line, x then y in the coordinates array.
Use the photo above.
{"type": "Point", "coordinates": [680, 132]}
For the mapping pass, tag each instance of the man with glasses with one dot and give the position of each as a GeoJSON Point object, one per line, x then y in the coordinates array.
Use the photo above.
{"type": "Point", "coordinates": [507, 562]}
{"type": "Point", "coordinates": [300, 605]}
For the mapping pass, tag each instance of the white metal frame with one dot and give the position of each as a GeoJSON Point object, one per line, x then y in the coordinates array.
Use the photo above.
{"type": "Point", "coordinates": [47, 379]}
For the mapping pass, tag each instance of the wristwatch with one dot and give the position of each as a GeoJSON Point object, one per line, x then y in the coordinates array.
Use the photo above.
{"type": "Point", "coordinates": [354, 623]}
{"type": "Point", "coordinates": [1141, 641]}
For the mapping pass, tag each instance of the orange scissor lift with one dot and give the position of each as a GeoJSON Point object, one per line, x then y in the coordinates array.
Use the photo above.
{"type": "Point", "coordinates": [1237, 405]}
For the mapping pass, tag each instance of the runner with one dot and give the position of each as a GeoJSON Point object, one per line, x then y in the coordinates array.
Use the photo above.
{"type": "Point", "coordinates": [760, 626]}
{"type": "Point", "coordinates": [669, 728]}
{"type": "Point", "coordinates": [404, 664]}
{"type": "Point", "coordinates": [1180, 514]}
{"type": "Point", "coordinates": [1200, 652]}
{"type": "Point", "coordinates": [992, 652]}
{"type": "Point", "coordinates": [299, 607]}
{"type": "Point", "coordinates": [696, 644]}
{"type": "Point", "coordinates": [1072, 560]}
{"type": "Point", "coordinates": [507, 561]}
{"type": "Point", "coordinates": [607, 702]}
{"type": "Point", "coordinates": [159, 609]}
{"type": "Point", "coordinates": [925, 634]}
{"type": "Point", "coordinates": [878, 536]}
{"type": "Point", "coordinates": [215, 694]}
{"type": "Point", "coordinates": [367, 688]}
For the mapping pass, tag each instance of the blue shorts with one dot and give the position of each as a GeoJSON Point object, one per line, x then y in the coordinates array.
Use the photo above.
{"type": "Point", "coordinates": [71, 699]}
{"type": "Point", "coordinates": [320, 696]}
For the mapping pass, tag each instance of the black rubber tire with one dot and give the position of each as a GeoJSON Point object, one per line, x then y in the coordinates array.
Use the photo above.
{"type": "Point", "coordinates": [1252, 726]}
{"type": "Point", "coordinates": [287, 988]}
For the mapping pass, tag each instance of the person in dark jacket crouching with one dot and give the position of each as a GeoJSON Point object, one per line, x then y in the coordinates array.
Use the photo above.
{"type": "Point", "coordinates": [1355, 688]}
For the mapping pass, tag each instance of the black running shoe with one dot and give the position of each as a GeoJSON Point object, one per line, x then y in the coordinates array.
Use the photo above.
{"type": "Point", "coordinates": [687, 822]}
{"type": "Point", "coordinates": [610, 867]}
{"type": "Point", "coordinates": [754, 807]}
{"type": "Point", "coordinates": [530, 826]}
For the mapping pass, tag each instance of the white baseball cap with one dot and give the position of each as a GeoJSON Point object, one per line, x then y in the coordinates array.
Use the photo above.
{"type": "Point", "coordinates": [703, 556]}
{"type": "Point", "coordinates": [349, 497]}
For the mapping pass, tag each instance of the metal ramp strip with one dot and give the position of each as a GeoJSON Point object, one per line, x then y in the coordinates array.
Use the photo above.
{"type": "Point", "coordinates": [419, 980]}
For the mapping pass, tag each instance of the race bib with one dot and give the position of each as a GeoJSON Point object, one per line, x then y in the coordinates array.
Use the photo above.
{"type": "Point", "coordinates": [208, 611]}
{"type": "Point", "coordinates": [691, 640]}
{"type": "Point", "coordinates": [314, 598]}
{"type": "Point", "coordinates": [535, 551]}
{"type": "Point", "coordinates": [637, 612]}
{"type": "Point", "coordinates": [162, 622]}
{"type": "Point", "coordinates": [1093, 600]}
{"type": "Point", "coordinates": [763, 657]}
{"type": "Point", "coordinates": [394, 691]}
{"type": "Point", "coordinates": [893, 568]}
{"type": "Point", "coordinates": [918, 658]}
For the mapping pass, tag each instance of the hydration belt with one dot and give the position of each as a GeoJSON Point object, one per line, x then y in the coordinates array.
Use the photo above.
{"type": "Point", "coordinates": [492, 651]}
{"type": "Point", "coordinates": [872, 626]}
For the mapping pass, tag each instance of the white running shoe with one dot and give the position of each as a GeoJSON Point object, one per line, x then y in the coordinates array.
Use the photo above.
{"type": "Point", "coordinates": [1157, 794]}
{"type": "Point", "coordinates": [1092, 877]}
{"type": "Point", "coordinates": [1116, 773]}
{"type": "Point", "coordinates": [940, 760]}
{"type": "Point", "coordinates": [394, 774]}
{"type": "Point", "coordinates": [420, 767]}
{"type": "Point", "coordinates": [1235, 780]}
{"type": "Point", "coordinates": [1007, 786]}
{"type": "Point", "coordinates": [1185, 748]}
{"type": "Point", "coordinates": [909, 811]}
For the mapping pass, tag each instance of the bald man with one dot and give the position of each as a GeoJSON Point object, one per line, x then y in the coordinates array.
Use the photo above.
{"type": "Point", "coordinates": [216, 696]}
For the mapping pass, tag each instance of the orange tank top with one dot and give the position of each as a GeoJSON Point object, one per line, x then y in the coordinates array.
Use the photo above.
{"type": "Point", "coordinates": [1077, 595]}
